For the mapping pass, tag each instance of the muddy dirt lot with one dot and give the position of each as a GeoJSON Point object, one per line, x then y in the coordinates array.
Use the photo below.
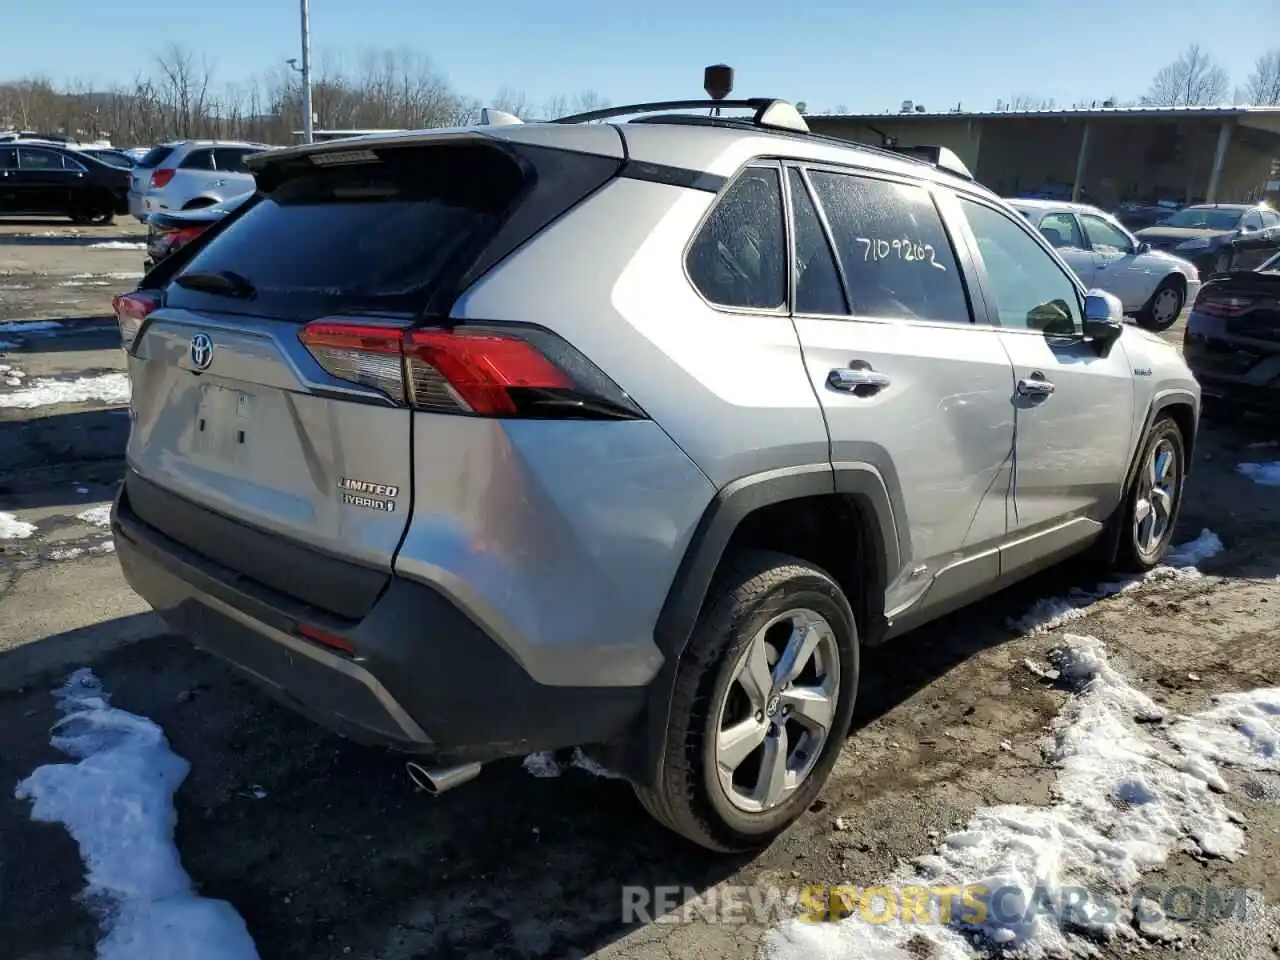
{"type": "Point", "coordinates": [326, 850]}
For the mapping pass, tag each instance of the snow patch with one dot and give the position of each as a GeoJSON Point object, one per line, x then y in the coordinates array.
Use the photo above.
{"type": "Point", "coordinates": [116, 801]}
{"type": "Point", "coordinates": [117, 245]}
{"type": "Point", "coordinates": [99, 516]}
{"type": "Point", "coordinates": [1125, 798]}
{"type": "Point", "coordinates": [11, 528]}
{"type": "Point", "coordinates": [1181, 565]}
{"type": "Point", "coordinates": [1241, 730]}
{"type": "Point", "coordinates": [544, 765]}
{"type": "Point", "coordinates": [1266, 474]}
{"type": "Point", "coordinates": [105, 388]}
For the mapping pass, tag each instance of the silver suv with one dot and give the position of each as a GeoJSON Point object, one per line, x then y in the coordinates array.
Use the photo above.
{"type": "Point", "coordinates": [626, 435]}
{"type": "Point", "coordinates": [189, 174]}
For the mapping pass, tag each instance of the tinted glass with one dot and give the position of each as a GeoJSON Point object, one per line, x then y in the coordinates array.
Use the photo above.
{"type": "Point", "coordinates": [8, 158]}
{"type": "Point", "coordinates": [374, 236]}
{"type": "Point", "coordinates": [1270, 218]}
{"type": "Point", "coordinates": [897, 259]}
{"type": "Point", "coordinates": [155, 156]}
{"type": "Point", "coordinates": [1104, 237]}
{"type": "Point", "coordinates": [198, 160]}
{"type": "Point", "coordinates": [1206, 218]}
{"type": "Point", "coordinates": [1031, 291]}
{"type": "Point", "coordinates": [39, 158]}
{"type": "Point", "coordinates": [739, 256]}
{"type": "Point", "coordinates": [1061, 230]}
{"type": "Point", "coordinates": [115, 159]}
{"type": "Point", "coordinates": [818, 287]}
{"type": "Point", "coordinates": [232, 159]}
{"type": "Point", "coordinates": [1252, 220]}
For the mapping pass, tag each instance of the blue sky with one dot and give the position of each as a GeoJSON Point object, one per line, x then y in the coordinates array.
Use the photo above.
{"type": "Point", "coordinates": [868, 55]}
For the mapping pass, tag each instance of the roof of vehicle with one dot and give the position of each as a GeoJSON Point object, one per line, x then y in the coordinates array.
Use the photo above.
{"type": "Point", "coordinates": [1031, 203]}
{"type": "Point", "coordinates": [1228, 206]}
{"type": "Point", "coordinates": [683, 139]}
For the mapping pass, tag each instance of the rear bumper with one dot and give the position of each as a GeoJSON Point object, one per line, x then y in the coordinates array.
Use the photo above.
{"type": "Point", "coordinates": [424, 678]}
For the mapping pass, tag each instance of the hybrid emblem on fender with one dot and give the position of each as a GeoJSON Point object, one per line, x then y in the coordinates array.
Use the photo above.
{"type": "Point", "coordinates": [201, 351]}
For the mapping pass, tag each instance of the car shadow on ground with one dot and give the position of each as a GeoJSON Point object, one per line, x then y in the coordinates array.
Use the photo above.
{"type": "Point", "coordinates": [76, 334]}
{"type": "Point", "coordinates": [45, 460]}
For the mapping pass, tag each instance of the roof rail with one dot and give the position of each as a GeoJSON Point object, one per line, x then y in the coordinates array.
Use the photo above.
{"type": "Point", "coordinates": [773, 114]}
{"type": "Point", "coordinates": [941, 157]}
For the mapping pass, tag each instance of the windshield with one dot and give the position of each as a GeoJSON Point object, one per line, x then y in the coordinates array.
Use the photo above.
{"type": "Point", "coordinates": [1205, 218]}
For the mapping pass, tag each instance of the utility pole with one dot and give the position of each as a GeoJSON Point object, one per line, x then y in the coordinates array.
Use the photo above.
{"type": "Point", "coordinates": [307, 115]}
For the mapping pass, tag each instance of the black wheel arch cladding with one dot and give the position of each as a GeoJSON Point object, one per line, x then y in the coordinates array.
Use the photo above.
{"type": "Point", "coordinates": [865, 489]}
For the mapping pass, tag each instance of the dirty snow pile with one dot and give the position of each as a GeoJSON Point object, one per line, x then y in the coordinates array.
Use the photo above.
{"type": "Point", "coordinates": [117, 245]}
{"type": "Point", "coordinates": [11, 528]}
{"type": "Point", "coordinates": [1181, 564]}
{"type": "Point", "coordinates": [1267, 474]}
{"type": "Point", "coordinates": [116, 801]}
{"type": "Point", "coordinates": [544, 765]}
{"type": "Point", "coordinates": [104, 388]}
{"type": "Point", "coordinates": [1131, 788]}
{"type": "Point", "coordinates": [99, 516]}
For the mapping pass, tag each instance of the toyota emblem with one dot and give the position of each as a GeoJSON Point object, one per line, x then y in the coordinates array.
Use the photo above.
{"type": "Point", "coordinates": [201, 351]}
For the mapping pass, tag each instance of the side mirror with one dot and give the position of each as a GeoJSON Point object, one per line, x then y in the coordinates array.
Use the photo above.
{"type": "Point", "coordinates": [1103, 317]}
{"type": "Point", "coordinates": [1142, 247]}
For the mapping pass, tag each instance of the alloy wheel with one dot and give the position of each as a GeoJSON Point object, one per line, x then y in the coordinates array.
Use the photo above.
{"type": "Point", "coordinates": [777, 711]}
{"type": "Point", "coordinates": [1156, 493]}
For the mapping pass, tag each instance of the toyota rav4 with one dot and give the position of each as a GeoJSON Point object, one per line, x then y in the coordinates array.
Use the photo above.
{"type": "Point", "coordinates": [627, 435]}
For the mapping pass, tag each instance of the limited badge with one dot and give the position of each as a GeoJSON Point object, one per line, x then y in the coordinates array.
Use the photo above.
{"type": "Point", "coordinates": [370, 495]}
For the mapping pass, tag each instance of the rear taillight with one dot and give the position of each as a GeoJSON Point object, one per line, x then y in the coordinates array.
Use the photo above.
{"type": "Point", "coordinates": [482, 370]}
{"type": "Point", "coordinates": [174, 239]}
{"type": "Point", "coordinates": [131, 310]}
{"type": "Point", "coordinates": [1216, 304]}
{"type": "Point", "coordinates": [160, 177]}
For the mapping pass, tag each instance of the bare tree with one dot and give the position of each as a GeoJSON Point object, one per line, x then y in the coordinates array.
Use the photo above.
{"type": "Point", "coordinates": [1024, 102]}
{"type": "Point", "coordinates": [1263, 85]}
{"type": "Point", "coordinates": [1193, 80]}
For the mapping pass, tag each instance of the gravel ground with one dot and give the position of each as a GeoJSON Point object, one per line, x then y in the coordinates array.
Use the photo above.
{"type": "Point", "coordinates": [326, 850]}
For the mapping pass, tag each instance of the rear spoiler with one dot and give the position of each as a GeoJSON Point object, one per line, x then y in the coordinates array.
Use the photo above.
{"type": "Point", "coordinates": [941, 157]}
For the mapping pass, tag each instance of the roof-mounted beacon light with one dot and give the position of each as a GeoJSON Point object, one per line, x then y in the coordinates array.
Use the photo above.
{"type": "Point", "coordinates": [717, 80]}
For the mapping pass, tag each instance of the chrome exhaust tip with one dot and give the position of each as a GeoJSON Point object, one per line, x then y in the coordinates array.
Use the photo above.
{"type": "Point", "coordinates": [437, 780]}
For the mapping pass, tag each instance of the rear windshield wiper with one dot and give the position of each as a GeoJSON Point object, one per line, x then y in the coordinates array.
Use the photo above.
{"type": "Point", "coordinates": [226, 283]}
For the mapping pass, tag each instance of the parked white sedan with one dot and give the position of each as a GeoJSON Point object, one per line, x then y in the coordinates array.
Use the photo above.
{"type": "Point", "coordinates": [1153, 285]}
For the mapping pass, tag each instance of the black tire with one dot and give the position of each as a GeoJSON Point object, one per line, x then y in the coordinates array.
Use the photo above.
{"type": "Point", "coordinates": [1147, 318]}
{"type": "Point", "coordinates": [96, 211]}
{"type": "Point", "coordinates": [1130, 555]}
{"type": "Point", "coordinates": [688, 797]}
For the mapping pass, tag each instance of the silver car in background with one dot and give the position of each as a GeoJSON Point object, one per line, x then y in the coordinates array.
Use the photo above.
{"type": "Point", "coordinates": [189, 174]}
{"type": "Point", "coordinates": [1153, 285]}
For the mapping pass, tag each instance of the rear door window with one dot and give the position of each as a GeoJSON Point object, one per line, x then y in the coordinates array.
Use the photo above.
{"type": "Point", "coordinates": [896, 255]}
{"type": "Point", "coordinates": [39, 158]}
{"type": "Point", "coordinates": [231, 159]}
{"type": "Point", "coordinates": [198, 160]}
{"type": "Point", "coordinates": [375, 236]}
{"type": "Point", "coordinates": [155, 156]}
{"type": "Point", "coordinates": [818, 289]}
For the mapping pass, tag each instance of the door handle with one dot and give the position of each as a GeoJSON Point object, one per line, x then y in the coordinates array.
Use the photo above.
{"type": "Point", "coordinates": [1035, 386]}
{"type": "Point", "coordinates": [859, 381]}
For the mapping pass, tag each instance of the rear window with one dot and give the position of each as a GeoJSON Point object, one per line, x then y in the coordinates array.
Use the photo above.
{"type": "Point", "coordinates": [378, 236]}
{"type": "Point", "coordinates": [155, 156]}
